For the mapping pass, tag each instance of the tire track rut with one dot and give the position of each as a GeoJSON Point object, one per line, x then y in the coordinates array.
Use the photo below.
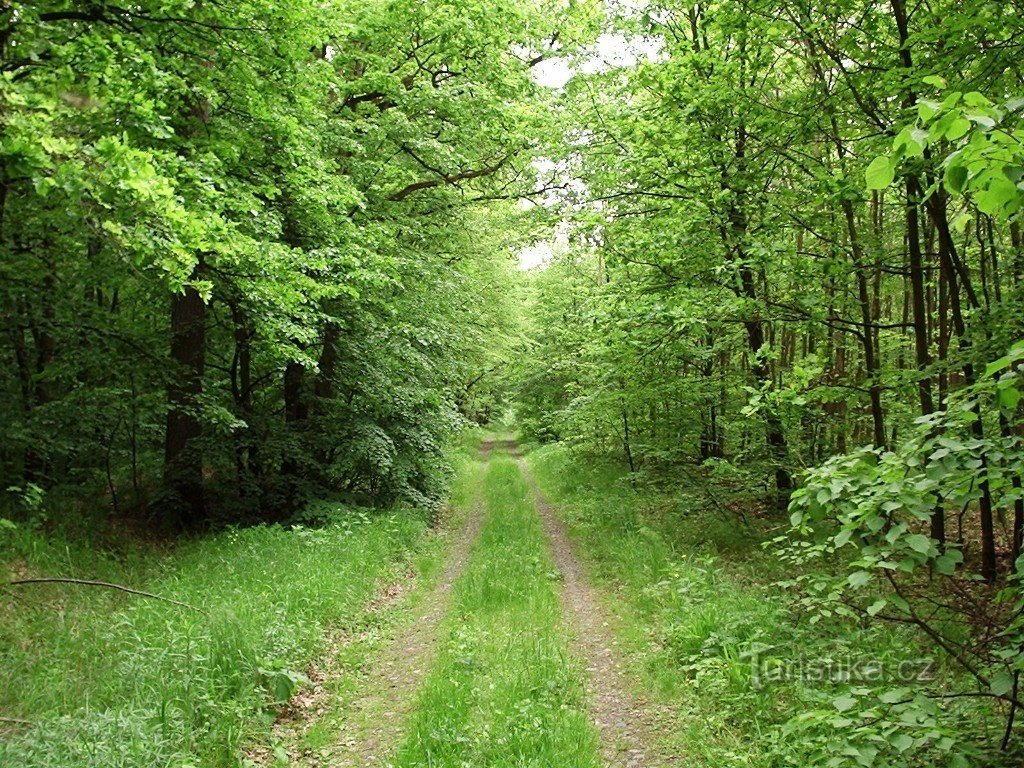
{"type": "Point", "coordinates": [625, 728]}
{"type": "Point", "coordinates": [374, 726]}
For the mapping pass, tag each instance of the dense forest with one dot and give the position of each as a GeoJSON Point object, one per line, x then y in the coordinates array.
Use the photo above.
{"type": "Point", "coordinates": [245, 245]}
{"type": "Point", "coordinates": [263, 293]}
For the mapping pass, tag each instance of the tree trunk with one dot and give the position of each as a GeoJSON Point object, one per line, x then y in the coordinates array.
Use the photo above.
{"type": "Point", "coordinates": [922, 354]}
{"type": "Point", "coordinates": [183, 455]}
{"type": "Point", "coordinates": [246, 442]}
{"type": "Point", "coordinates": [774, 435]}
{"type": "Point", "coordinates": [296, 410]}
{"type": "Point", "coordinates": [867, 335]}
{"type": "Point", "coordinates": [324, 387]}
{"type": "Point", "coordinates": [710, 445]}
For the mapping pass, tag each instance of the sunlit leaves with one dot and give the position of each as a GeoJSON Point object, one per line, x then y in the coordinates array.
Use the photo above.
{"type": "Point", "coordinates": [981, 145]}
{"type": "Point", "coordinates": [880, 173]}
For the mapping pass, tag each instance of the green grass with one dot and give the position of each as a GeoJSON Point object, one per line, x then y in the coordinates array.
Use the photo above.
{"type": "Point", "coordinates": [695, 594]}
{"type": "Point", "coordinates": [355, 662]}
{"type": "Point", "coordinates": [112, 680]}
{"type": "Point", "coordinates": [504, 691]}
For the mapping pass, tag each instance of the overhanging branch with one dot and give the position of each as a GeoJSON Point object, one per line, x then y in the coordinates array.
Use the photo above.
{"type": "Point", "coordinates": [449, 180]}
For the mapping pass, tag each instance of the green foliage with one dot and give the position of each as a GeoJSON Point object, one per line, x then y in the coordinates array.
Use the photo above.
{"type": "Point", "coordinates": [866, 515]}
{"type": "Point", "coordinates": [333, 181]}
{"type": "Point", "coordinates": [789, 249]}
{"type": "Point", "coordinates": [979, 143]}
{"type": "Point", "coordinates": [710, 622]}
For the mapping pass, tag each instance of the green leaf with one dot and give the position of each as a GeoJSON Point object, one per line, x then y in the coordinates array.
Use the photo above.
{"type": "Point", "coordinates": [859, 578]}
{"type": "Point", "coordinates": [959, 127]}
{"type": "Point", "coordinates": [919, 543]}
{"type": "Point", "coordinates": [1002, 683]}
{"type": "Point", "coordinates": [283, 687]}
{"type": "Point", "coordinates": [1009, 398]}
{"type": "Point", "coordinates": [844, 702]}
{"type": "Point", "coordinates": [955, 178]}
{"type": "Point", "coordinates": [938, 82]}
{"type": "Point", "coordinates": [877, 606]}
{"type": "Point", "coordinates": [926, 110]}
{"type": "Point", "coordinates": [880, 173]}
{"type": "Point", "coordinates": [999, 194]}
{"type": "Point", "coordinates": [894, 695]}
{"type": "Point", "coordinates": [902, 742]}
{"type": "Point", "coordinates": [900, 603]}
{"type": "Point", "coordinates": [997, 365]}
{"type": "Point", "coordinates": [985, 121]}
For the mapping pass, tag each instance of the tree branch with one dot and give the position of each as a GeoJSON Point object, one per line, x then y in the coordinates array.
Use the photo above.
{"type": "Point", "coordinates": [108, 585]}
{"type": "Point", "coordinates": [448, 180]}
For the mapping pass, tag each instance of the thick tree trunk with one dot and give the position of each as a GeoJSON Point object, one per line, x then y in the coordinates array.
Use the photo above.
{"type": "Point", "coordinates": [183, 455]}
{"type": "Point", "coordinates": [296, 411]}
{"type": "Point", "coordinates": [328, 362]}
{"type": "Point", "coordinates": [296, 405]}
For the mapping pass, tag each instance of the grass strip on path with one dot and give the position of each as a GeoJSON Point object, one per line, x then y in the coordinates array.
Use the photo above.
{"type": "Point", "coordinates": [504, 691]}
{"type": "Point", "coordinates": [625, 723]}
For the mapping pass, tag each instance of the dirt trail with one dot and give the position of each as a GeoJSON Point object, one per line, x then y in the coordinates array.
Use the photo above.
{"type": "Point", "coordinates": [375, 724]}
{"type": "Point", "coordinates": [624, 727]}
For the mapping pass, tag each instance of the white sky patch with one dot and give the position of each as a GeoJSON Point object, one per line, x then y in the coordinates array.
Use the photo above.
{"type": "Point", "coordinates": [553, 73]}
{"type": "Point", "coordinates": [536, 255]}
{"type": "Point", "coordinates": [539, 254]}
{"type": "Point", "coordinates": [612, 50]}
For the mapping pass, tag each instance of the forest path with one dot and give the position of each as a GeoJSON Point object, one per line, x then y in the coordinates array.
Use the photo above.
{"type": "Point", "coordinates": [363, 727]}
{"type": "Point", "coordinates": [624, 725]}
{"type": "Point", "coordinates": [380, 716]}
{"type": "Point", "coordinates": [396, 703]}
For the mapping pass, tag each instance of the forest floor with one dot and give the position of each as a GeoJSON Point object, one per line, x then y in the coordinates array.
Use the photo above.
{"type": "Point", "coordinates": [556, 615]}
{"type": "Point", "coordinates": [507, 657]}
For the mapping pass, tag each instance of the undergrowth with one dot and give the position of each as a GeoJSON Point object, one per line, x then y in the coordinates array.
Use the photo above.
{"type": "Point", "coordinates": [104, 679]}
{"type": "Point", "coordinates": [745, 675]}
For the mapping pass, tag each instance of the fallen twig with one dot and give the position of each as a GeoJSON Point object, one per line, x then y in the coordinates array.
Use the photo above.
{"type": "Point", "coordinates": [108, 585]}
